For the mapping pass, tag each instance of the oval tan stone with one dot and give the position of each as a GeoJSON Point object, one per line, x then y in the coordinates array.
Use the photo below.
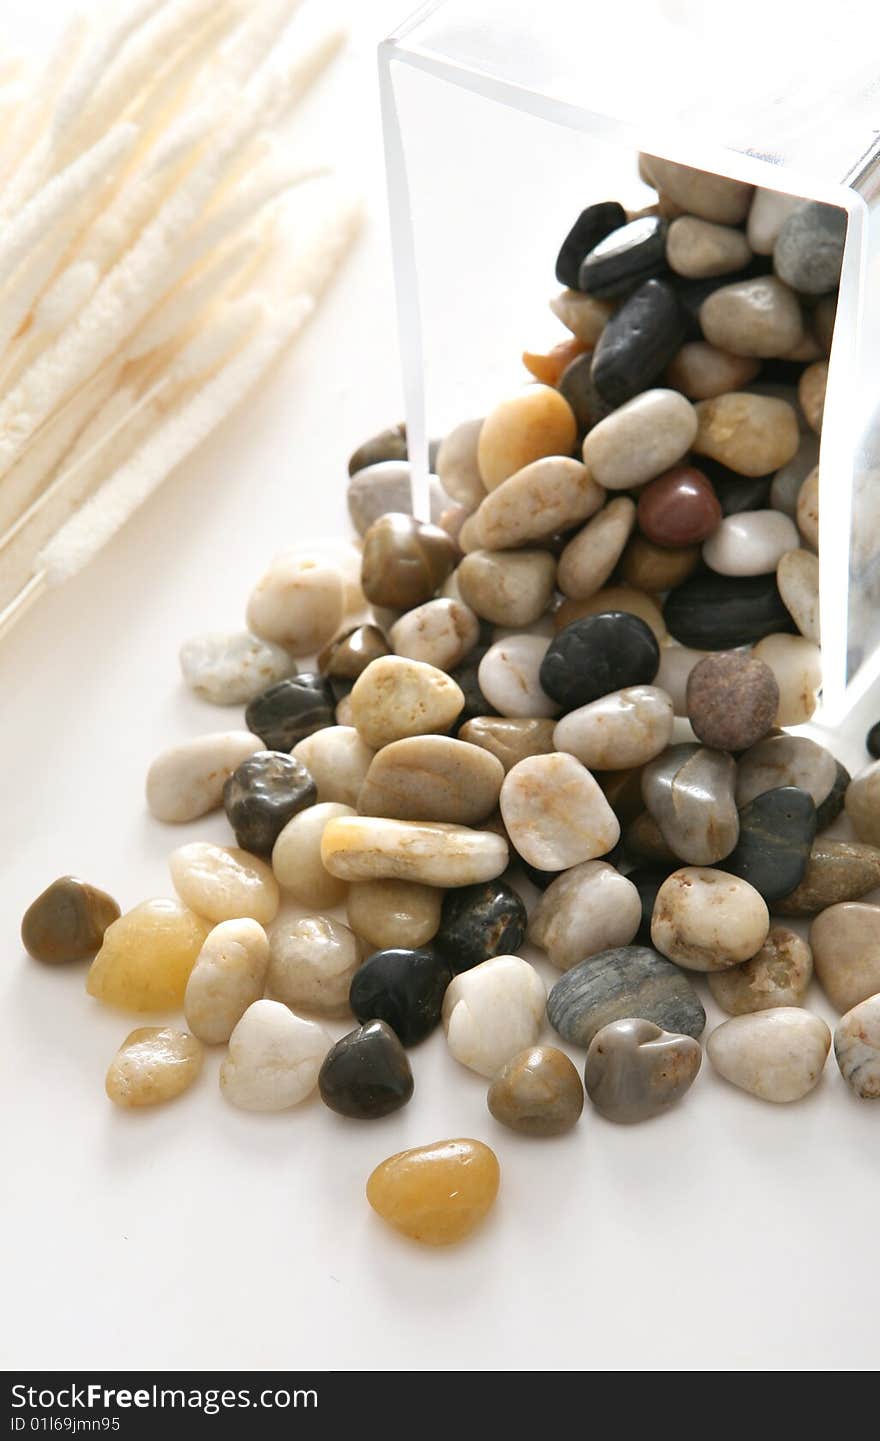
{"type": "Point", "coordinates": [556, 813]}
{"type": "Point", "coordinates": [752, 434]}
{"type": "Point", "coordinates": [436, 1194]}
{"type": "Point", "coordinates": [228, 976]}
{"type": "Point", "coordinates": [508, 587]}
{"type": "Point", "coordinates": [641, 439]}
{"type": "Point", "coordinates": [337, 760]}
{"type": "Point", "coordinates": [312, 961]}
{"type": "Point", "coordinates": [777, 1055]}
{"type": "Point", "coordinates": [706, 919]}
{"type": "Point", "coordinates": [654, 568]}
{"type": "Point", "coordinates": [299, 603]}
{"type": "Point", "coordinates": [701, 192]}
{"type": "Point", "coordinates": [396, 697]}
{"type": "Point", "coordinates": [154, 1064]}
{"type": "Point", "coordinates": [364, 848]}
{"type": "Point", "coordinates": [846, 952]}
{"type": "Point", "coordinates": [698, 248]}
{"type": "Point", "coordinates": [797, 577]}
{"type": "Point", "coordinates": [536, 422]}
{"type": "Point", "coordinates": [808, 509]}
{"type": "Point", "coordinates": [614, 597]}
{"type": "Point", "coordinates": [432, 778]}
{"type": "Point", "coordinates": [186, 780]}
{"type": "Point", "coordinates": [388, 914]}
{"type": "Point", "coordinates": [623, 729]}
{"type": "Point", "coordinates": [589, 559]}
{"type": "Point", "coordinates": [779, 975]}
{"type": "Point", "coordinates": [701, 371]}
{"type": "Point", "coordinates": [509, 739]}
{"type": "Point", "coordinates": [584, 315]}
{"type": "Point", "coordinates": [545, 497]}
{"type": "Point", "coordinates": [224, 883]}
{"type": "Point", "coordinates": [440, 633]}
{"type": "Point", "coordinates": [588, 909]}
{"type": "Point", "coordinates": [760, 317]}
{"type": "Point", "coordinates": [296, 856]}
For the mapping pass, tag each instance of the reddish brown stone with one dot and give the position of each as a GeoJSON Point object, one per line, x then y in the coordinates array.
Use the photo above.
{"type": "Point", "coordinates": [732, 699]}
{"type": "Point", "coordinates": [679, 507]}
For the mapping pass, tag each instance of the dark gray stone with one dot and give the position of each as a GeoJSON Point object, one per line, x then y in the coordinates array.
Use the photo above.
{"type": "Point", "coordinates": [263, 794]}
{"type": "Point", "coordinates": [591, 226]}
{"type": "Point", "coordinates": [625, 981]}
{"type": "Point", "coordinates": [809, 248]}
{"type": "Point", "coordinates": [625, 258]}
{"type": "Point", "coordinates": [776, 832]}
{"type": "Point", "coordinates": [291, 710]}
{"type": "Point", "coordinates": [479, 922]}
{"type": "Point", "coordinates": [638, 342]}
{"type": "Point", "coordinates": [597, 655]}
{"type": "Point", "coordinates": [720, 612]}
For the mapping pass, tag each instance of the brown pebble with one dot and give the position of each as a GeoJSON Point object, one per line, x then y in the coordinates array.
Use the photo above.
{"type": "Point", "coordinates": [836, 871]}
{"type": "Point", "coordinates": [67, 921]}
{"type": "Point", "coordinates": [350, 653]}
{"type": "Point", "coordinates": [701, 371]}
{"type": "Point", "coordinates": [732, 700]}
{"type": "Point", "coordinates": [538, 1092]}
{"type": "Point", "coordinates": [656, 568]}
{"type": "Point", "coordinates": [679, 508]}
{"type": "Point", "coordinates": [405, 561]}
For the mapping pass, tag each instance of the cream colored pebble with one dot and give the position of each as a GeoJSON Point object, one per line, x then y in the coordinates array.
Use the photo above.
{"type": "Point", "coordinates": [338, 760]}
{"type": "Point", "coordinates": [457, 467]}
{"type": "Point", "coordinates": [224, 883]}
{"type": "Point", "coordinates": [396, 697]}
{"type": "Point", "coordinates": [508, 587]}
{"type": "Point", "coordinates": [299, 603]}
{"type": "Point", "coordinates": [363, 848]}
{"type": "Point", "coordinates": [274, 1058]}
{"type": "Point", "coordinates": [441, 633]}
{"type": "Point", "coordinates": [186, 780]}
{"type": "Point", "coordinates": [389, 913]}
{"type": "Point", "coordinates": [228, 976]}
{"type": "Point", "coordinates": [154, 1064]}
{"type": "Point", "coordinates": [556, 813]}
{"type": "Point", "coordinates": [542, 498]}
{"type": "Point", "coordinates": [296, 856]}
{"type": "Point", "coordinates": [590, 557]}
{"type": "Point", "coordinates": [640, 439]}
{"type": "Point", "coordinates": [707, 919]}
{"type": "Point", "coordinates": [312, 961]}
{"type": "Point", "coordinates": [492, 1012]}
{"type": "Point", "coordinates": [808, 509]}
{"type": "Point", "coordinates": [797, 666]}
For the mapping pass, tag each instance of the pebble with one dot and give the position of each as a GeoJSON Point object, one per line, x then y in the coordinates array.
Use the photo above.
{"type": "Point", "coordinates": [636, 1070]}
{"type": "Point", "coordinates": [338, 761]}
{"type": "Point", "coordinates": [432, 778]}
{"type": "Point", "coordinates": [779, 975]}
{"type": "Point", "coordinates": [457, 465]}
{"type": "Point", "coordinates": [274, 1059]}
{"type": "Point", "coordinates": [638, 342]}
{"type": "Point", "coordinates": [146, 957]}
{"type": "Point", "coordinates": [752, 434]}
{"type": "Point", "coordinates": [698, 248]}
{"type": "Point", "coordinates": [808, 252]}
{"type": "Point", "coordinates": [676, 664]}
{"type": "Point", "coordinates": [689, 791]}
{"type": "Point", "coordinates": [588, 560]}
{"type": "Point", "coordinates": [588, 909]}
{"type": "Point", "coordinates": [591, 226]}
{"type": "Point", "coordinates": [510, 740]}
{"type": "Point", "coordinates": [720, 612]}
{"type": "Point", "coordinates": [650, 567]}
{"type": "Point", "coordinates": [846, 952]}
{"type": "Point", "coordinates": [299, 603]}
{"type": "Point", "coordinates": [405, 561]}
{"type": "Point", "coordinates": [296, 856]}
{"type": "Point", "coordinates": [679, 508]}
{"type": "Point", "coordinates": [538, 1093]}
{"type": "Point", "coordinates": [436, 1194]}
{"type": "Point", "coordinates": [67, 921]}
{"type": "Point", "coordinates": [228, 976]}
{"type": "Point", "coordinates": [836, 871]}
{"type": "Point", "coordinates": [863, 804]}
{"type": "Point", "coordinates": [797, 666]}
{"type": "Point", "coordinates": [507, 587]}
{"type": "Point", "coordinates": [768, 211]}
{"type": "Point", "coordinates": [492, 1012]}
{"type": "Point", "coordinates": [153, 1065]}
{"type": "Point", "coordinates": [700, 192]}
{"type": "Point", "coordinates": [547, 496]}
{"type": "Point", "coordinates": [231, 668]}
{"type": "Point", "coordinates": [787, 481]}
{"type": "Point", "coordinates": [776, 1055]}
{"type": "Point", "coordinates": [784, 760]}
{"type": "Point", "coordinates": [811, 393]}
{"type": "Point", "coordinates": [365, 848]}
{"type": "Point", "coordinates": [776, 832]}
{"type": "Point", "coordinates": [263, 794]}
{"type": "Point", "coordinates": [509, 677]}
{"type": "Point", "coordinates": [555, 812]}
{"type": "Point", "coordinates": [549, 366]}
{"type": "Point", "coordinates": [759, 317]}
{"type": "Point", "coordinates": [403, 988]}
{"type": "Point", "coordinates": [441, 632]}
{"type": "Point", "coordinates": [857, 1048]}
{"type": "Point", "coordinates": [732, 700]}
{"type": "Point", "coordinates": [224, 883]}
{"type": "Point", "coordinates": [479, 922]}
{"type": "Point", "coordinates": [529, 425]}
{"type": "Point", "coordinates": [311, 963]}
{"type": "Point", "coordinates": [623, 729]}
{"type": "Point", "coordinates": [186, 780]}
{"type": "Point", "coordinates": [597, 655]}
{"type": "Point", "coordinates": [366, 1075]}
{"type": "Point", "coordinates": [627, 256]}
{"type": "Point", "coordinates": [584, 315]}
{"type": "Point", "coordinates": [389, 914]}
{"type": "Point", "coordinates": [701, 371]}
{"type": "Point", "coordinates": [750, 543]}
{"type": "Point", "coordinates": [707, 919]}
{"type": "Point", "coordinates": [641, 439]}
{"type": "Point", "coordinates": [627, 981]}
{"type": "Point", "coordinates": [807, 513]}
{"type": "Point", "coordinates": [614, 598]}
{"type": "Point", "coordinates": [385, 487]}
{"type": "Point", "coordinates": [397, 697]}
{"type": "Point", "coordinates": [797, 577]}
{"type": "Point", "coordinates": [389, 444]}
{"type": "Point", "coordinates": [348, 654]}
{"type": "Point", "coordinates": [291, 710]}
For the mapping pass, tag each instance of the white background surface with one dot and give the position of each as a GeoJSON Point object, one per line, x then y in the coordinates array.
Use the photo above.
{"type": "Point", "coordinates": [729, 1235]}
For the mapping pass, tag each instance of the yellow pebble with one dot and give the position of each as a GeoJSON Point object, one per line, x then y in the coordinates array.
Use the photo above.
{"type": "Point", "coordinates": [147, 955]}
{"type": "Point", "coordinates": [436, 1194]}
{"type": "Point", "coordinates": [153, 1064]}
{"type": "Point", "coordinates": [536, 422]}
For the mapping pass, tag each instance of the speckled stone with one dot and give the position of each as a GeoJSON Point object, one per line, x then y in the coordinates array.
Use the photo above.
{"type": "Point", "coordinates": [776, 832]}
{"type": "Point", "coordinates": [629, 981]}
{"type": "Point", "coordinates": [262, 795]}
{"type": "Point", "coordinates": [635, 1070]}
{"type": "Point", "coordinates": [405, 561]}
{"type": "Point", "coordinates": [538, 1093]}
{"type": "Point", "coordinates": [154, 1064]}
{"type": "Point", "coordinates": [586, 910]}
{"type": "Point", "coordinates": [619, 731]}
{"type": "Point", "coordinates": [67, 921]}
{"type": "Point", "coordinates": [591, 226]}
{"type": "Point", "coordinates": [534, 423]}
{"type": "Point", "coordinates": [509, 676]}
{"type": "Point", "coordinates": [785, 760]}
{"type": "Point", "coordinates": [366, 1075]}
{"type": "Point", "coordinates": [291, 710]}
{"type": "Point", "coordinates": [808, 252]}
{"type": "Point", "coordinates": [493, 1011]}
{"type": "Point", "coordinates": [479, 922]}
{"type": "Point", "coordinates": [836, 871]}
{"type": "Point", "coordinates": [597, 655]}
{"type": "Point", "coordinates": [689, 791]}
{"type": "Point", "coordinates": [403, 988]}
{"type": "Point", "coordinates": [348, 654]}
{"type": "Point", "coordinates": [511, 740]}
{"type": "Point", "coordinates": [389, 444]}
{"type": "Point", "coordinates": [541, 499]}
{"type": "Point", "coordinates": [641, 439]}
{"type": "Point", "coordinates": [707, 919]}
{"type": "Point", "coordinates": [432, 778]}
{"type": "Point", "coordinates": [857, 1048]}
{"type": "Point", "coordinates": [638, 342]}
{"type": "Point", "coordinates": [679, 508]}
{"type": "Point", "coordinates": [396, 697]}
{"type": "Point", "coordinates": [779, 975]}
{"type": "Point", "coordinates": [230, 669]}
{"type": "Point", "coordinates": [385, 488]}
{"type": "Point", "coordinates": [436, 1194]}
{"type": "Point", "coordinates": [732, 700]}
{"type": "Point", "coordinates": [555, 812]}
{"type": "Point", "coordinates": [441, 632]}
{"type": "Point", "coordinates": [846, 952]}
{"type": "Point", "coordinates": [720, 612]}
{"type": "Point", "coordinates": [760, 317]}
{"type": "Point", "coordinates": [628, 255]}
{"type": "Point", "coordinates": [776, 1055]}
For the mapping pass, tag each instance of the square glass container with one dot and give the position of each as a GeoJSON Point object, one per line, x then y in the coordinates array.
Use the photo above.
{"type": "Point", "coordinates": [504, 118]}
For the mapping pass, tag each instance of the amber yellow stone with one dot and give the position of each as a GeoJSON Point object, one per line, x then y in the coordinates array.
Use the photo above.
{"type": "Point", "coordinates": [147, 955]}
{"type": "Point", "coordinates": [436, 1194]}
{"type": "Point", "coordinates": [153, 1064]}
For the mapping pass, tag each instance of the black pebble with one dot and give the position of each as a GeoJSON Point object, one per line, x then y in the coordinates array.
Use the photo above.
{"type": "Point", "coordinates": [776, 833]}
{"type": "Point", "coordinates": [405, 989]}
{"type": "Point", "coordinates": [591, 226]}
{"type": "Point", "coordinates": [638, 342]}
{"type": "Point", "coordinates": [720, 612]}
{"type": "Point", "coordinates": [872, 741]}
{"type": "Point", "coordinates": [366, 1074]}
{"type": "Point", "coordinates": [832, 805]}
{"type": "Point", "coordinates": [597, 655]}
{"type": "Point", "coordinates": [478, 922]}
{"type": "Point", "coordinates": [736, 492]}
{"type": "Point", "coordinates": [625, 258]}
{"type": "Point", "coordinates": [291, 710]}
{"type": "Point", "coordinates": [262, 795]}
{"type": "Point", "coordinates": [647, 881]}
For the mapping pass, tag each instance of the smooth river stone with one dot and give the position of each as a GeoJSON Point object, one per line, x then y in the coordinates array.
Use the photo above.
{"type": "Point", "coordinates": [543, 498]}
{"type": "Point", "coordinates": [628, 255]}
{"type": "Point", "coordinates": [636, 1070]}
{"type": "Point", "coordinates": [403, 988]}
{"type": "Point", "coordinates": [628, 981]}
{"type": "Point", "coordinates": [701, 192]}
{"type": "Point", "coordinates": [231, 668]}
{"type": "Point", "coordinates": [441, 633]}
{"type": "Point", "coordinates": [228, 976]}
{"type": "Point", "coordinates": [797, 577]}
{"type": "Point", "coordinates": [623, 729]}
{"type": "Point", "coordinates": [348, 654]}
{"type": "Point", "coordinates": [776, 1055]}
{"type": "Point", "coordinates": [857, 1048]}
{"type": "Point", "coordinates": [338, 760]}
{"type": "Point", "coordinates": [154, 1064]}
{"type": "Point", "coordinates": [591, 226]}
{"type": "Point", "coordinates": [640, 440]}
{"type": "Point", "coordinates": [479, 922]}
{"type": "Point", "coordinates": [697, 248]}
{"type": "Point", "coordinates": [511, 740]}
{"type": "Point", "coordinates": [436, 1194]}
{"type": "Point", "coordinates": [186, 780]}
{"type": "Point", "coordinates": [274, 1059]}
{"type": "Point", "coordinates": [707, 919]}
{"type": "Point", "coordinates": [388, 914]}
{"type": "Point", "coordinates": [296, 856]}
{"type": "Point", "coordinates": [509, 677]}
{"type": "Point", "coordinates": [638, 342]}
{"type": "Point", "coordinates": [537, 1092]}
{"type": "Point", "coordinates": [493, 1011]}
{"type": "Point", "coordinates": [679, 508]}
{"type": "Point", "coordinates": [776, 832]}
{"type": "Point", "coordinates": [701, 371]}
{"type": "Point", "coordinates": [146, 957]}
{"type": "Point", "coordinates": [556, 814]}
{"type": "Point", "coordinates": [689, 791]}
{"type": "Point", "coordinates": [291, 710]}
{"type": "Point", "coordinates": [588, 909]}
{"type": "Point", "coordinates": [720, 612]}
{"type": "Point", "coordinates": [457, 466]}
{"type": "Point", "coordinates": [312, 961]}
{"type": "Point", "coordinates": [768, 211]}
{"type": "Point", "coordinates": [507, 587]}
{"type": "Point", "coordinates": [598, 655]}
{"type": "Point", "coordinates": [405, 561]}
{"type": "Point", "coordinates": [732, 700]}
{"type": "Point", "coordinates": [759, 317]}
{"type": "Point", "coordinates": [584, 315]}
{"type": "Point", "coordinates": [784, 760]}
{"type": "Point", "coordinates": [389, 444]}
{"type": "Point", "coordinates": [752, 434]}
{"type": "Point", "coordinates": [863, 804]}
{"type": "Point", "coordinates": [534, 423]}
{"type": "Point", "coordinates": [365, 848]}
{"type": "Point", "coordinates": [751, 542]}
{"type": "Point", "coordinates": [588, 560]}
{"type": "Point", "coordinates": [396, 697]}
{"type": "Point", "coordinates": [779, 975]}
{"type": "Point", "coordinates": [367, 1074]}
{"type": "Point", "coordinates": [846, 952]}
{"type": "Point", "coordinates": [432, 778]}
{"type": "Point", "coordinates": [299, 603]}
{"type": "Point", "coordinates": [67, 921]}
{"type": "Point", "coordinates": [263, 794]}
{"type": "Point", "coordinates": [808, 253]}
{"type": "Point", "coordinates": [224, 883]}
{"type": "Point", "coordinates": [836, 871]}
{"type": "Point", "coordinates": [797, 666]}
{"type": "Point", "coordinates": [807, 512]}
{"type": "Point", "coordinates": [385, 487]}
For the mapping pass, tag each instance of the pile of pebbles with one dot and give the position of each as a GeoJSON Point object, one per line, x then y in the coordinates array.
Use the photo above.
{"type": "Point", "coordinates": [555, 713]}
